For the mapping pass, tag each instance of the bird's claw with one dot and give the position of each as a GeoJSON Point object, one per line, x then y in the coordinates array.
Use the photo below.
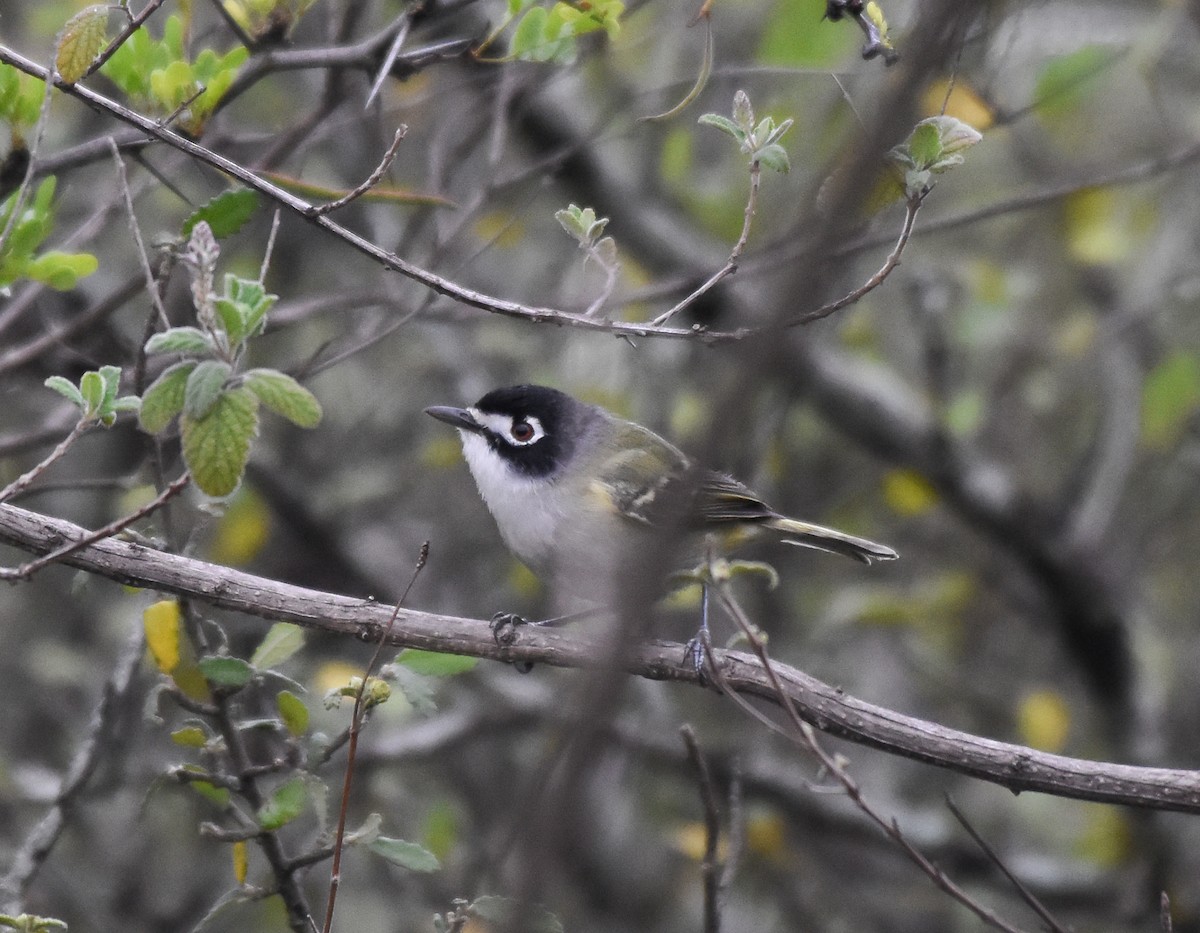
{"type": "Point", "coordinates": [504, 627]}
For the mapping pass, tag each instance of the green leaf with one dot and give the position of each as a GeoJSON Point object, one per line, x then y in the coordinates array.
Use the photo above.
{"type": "Point", "coordinates": [225, 671]}
{"type": "Point", "coordinates": [953, 134]}
{"type": "Point", "coordinates": [924, 145]}
{"type": "Point", "coordinates": [208, 790]}
{"type": "Point", "coordinates": [217, 446]}
{"type": "Point", "coordinates": [724, 124]}
{"type": "Point", "coordinates": [775, 158]}
{"type": "Point", "coordinates": [204, 387]}
{"type": "Point", "coordinates": [1065, 81]}
{"type": "Point", "coordinates": [62, 271]}
{"type": "Point", "coordinates": [408, 855]}
{"type": "Point", "coordinates": [164, 399]}
{"type": "Point", "coordinates": [284, 396]}
{"type": "Point", "coordinates": [190, 737]}
{"type": "Point", "coordinates": [190, 340]}
{"type": "Point", "coordinates": [285, 805]}
{"type": "Point", "coordinates": [91, 387]}
{"type": "Point", "coordinates": [225, 214]}
{"type": "Point", "coordinates": [65, 388]}
{"type": "Point", "coordinates": [233, 318]}
{"type": "Point", "coordinates": [502, 911]}
{"type": "Point", "coordinates": [111, 375]}
{"type": "Point", "coordinates": [1170, 397]}
{"type": "Point", "coordinates": [80, 42]}
{"type": "Point", "coordinates": [293, 712]}
{"type": "Point", "coordinates": [435, 663]}
{"type": "Point", "coordinates": [527, 37]}
{"type": "Point", "coordinates": [796, 35]}
{"type": "Point", "coordinates": [281, 642]}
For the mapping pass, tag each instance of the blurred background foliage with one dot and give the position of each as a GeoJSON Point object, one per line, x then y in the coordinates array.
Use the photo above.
{"type": "Point", "coordinates": [1014, 410]}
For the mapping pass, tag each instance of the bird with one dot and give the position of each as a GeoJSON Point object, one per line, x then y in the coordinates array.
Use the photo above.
{"type": "Point", "coordinates": [575, 491]}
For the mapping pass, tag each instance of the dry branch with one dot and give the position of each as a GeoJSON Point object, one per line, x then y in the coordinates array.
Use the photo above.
{"type": "Point", "coordinates": [826, 707]}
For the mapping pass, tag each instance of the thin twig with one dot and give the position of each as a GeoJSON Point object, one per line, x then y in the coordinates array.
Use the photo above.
{"type": "Point", "coordinates": [1026, 895]}
{"type": "Point", "coordinates": [266, 261]}
{"type": "Point", "coordinates": [28, 569]}
{"type": "Point", "coordinates": [805, 736]}
{"type": "Point", "coordinates": [404, 23]}
{"type": "Point", "coordinates": [143, 257]}
{"type": "Point", "coordinates": [235, 27]}
{"type": "Point", "coordinates": [711, 866]}
{"type": "Point", "coordinates": [131, 27]}
{"type": "Point", "coordinates": [356, 723]}
{"type": "Point", "coordinates": [372, 180]}
{"type": "Point", "coordinates": [22, 481]}
{"type": "Point", "coordinates": [731, 264]}
{"type": "Point", "coordinates": [911, 207]}
{"type": "Point", "coordinates": [39, 842]}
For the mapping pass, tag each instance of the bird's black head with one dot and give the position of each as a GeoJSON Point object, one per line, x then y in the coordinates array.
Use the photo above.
{"type": "Point", "coordinates": [534, 429]}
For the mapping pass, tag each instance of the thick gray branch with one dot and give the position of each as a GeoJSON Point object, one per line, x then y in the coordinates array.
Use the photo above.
{"type": "Point", "coordinates": [826, 707]}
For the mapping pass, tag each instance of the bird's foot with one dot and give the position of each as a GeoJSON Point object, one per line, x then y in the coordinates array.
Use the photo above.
{"type": "Point", "coordinates": [698, 652]}
{"type": "Point", "coordinates": [504, 627]}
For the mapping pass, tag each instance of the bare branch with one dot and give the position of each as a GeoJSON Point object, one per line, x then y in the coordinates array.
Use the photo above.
{"type": "Point", "coordinates": [372, 180]}
{"type": "Point", "coordinates": [829, 708]}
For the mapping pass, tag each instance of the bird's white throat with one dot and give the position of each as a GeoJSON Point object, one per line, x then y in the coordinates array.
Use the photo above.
{"type": "Point", "coordinates": [527, 509]}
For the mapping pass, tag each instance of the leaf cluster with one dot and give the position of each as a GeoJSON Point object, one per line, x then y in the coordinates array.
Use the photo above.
{"type": "Point", "coordinates": [550, 34]}
{"type": "Point", "coordinates": [235, 680]}
{"type": "Point", "coordinates": [157, 75]}
{"type": "Point", "coordinates": [582, 225]}
{"type": "Point", "coordinates": [96, 394]}
{"type": "Point", "coordinates": [935, 145]}
{"type": "Point", "coordinates": [760, 141]}
{"type": "Point", "coordinates": [20, 100]}
{"type": "Point", "coordinates": [19, 257]}
{"type": "Point", "coordinates": [217, 405]}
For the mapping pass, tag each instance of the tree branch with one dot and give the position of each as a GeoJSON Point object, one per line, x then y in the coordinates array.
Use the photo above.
{"type": "Point", "coordinates": [826, 707]}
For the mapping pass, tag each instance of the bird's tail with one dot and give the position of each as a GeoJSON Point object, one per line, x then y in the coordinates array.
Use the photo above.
{"type": "Point", "coordinates": [804, 534]}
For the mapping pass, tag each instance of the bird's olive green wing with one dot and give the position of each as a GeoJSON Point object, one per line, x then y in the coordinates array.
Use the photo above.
{"type": "Point", "coordinates": [647, 480]}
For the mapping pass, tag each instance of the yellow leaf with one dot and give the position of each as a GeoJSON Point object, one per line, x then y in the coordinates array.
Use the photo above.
{"type": "Point", "coordinates": [500, 229]}
{"type": "Point", "coordinates": [692, 838]}
{"type": "Point", "coordinates": [81, 41]}
{"type": "Point", "coordinates": [908, 492]}
{"type": "Point", "coordinates": [161, 622]}
{"type": "Point", "coordinates": [1044, 721]}
{"type": "Point", "coordinates": [1097, 233]}
{"type": "Point", "coordinates": [963, 104]}
{"type": "Point", "coordinates": [171, 650]}
{"type": "Point", "coordinates": [241, 861]}
{"type": "Point", "coordinates": [766, 836]}
{"type": "Point", "coordinates": [1108, 838]}
{"type": "Point", "coordinates": [243, 530]}
{"type": "Point", "coordinates": [334, 675]}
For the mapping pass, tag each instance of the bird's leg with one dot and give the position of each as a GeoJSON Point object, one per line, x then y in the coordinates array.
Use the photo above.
{"type": "Point", "coordinates": [696, 649]}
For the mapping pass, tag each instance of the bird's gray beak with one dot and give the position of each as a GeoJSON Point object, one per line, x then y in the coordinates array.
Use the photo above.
{"type": "Point", "coordinates": [460, 418]}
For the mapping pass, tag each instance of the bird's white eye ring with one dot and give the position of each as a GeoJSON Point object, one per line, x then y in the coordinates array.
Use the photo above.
{"type": "Point", "coordinates": [523, 432]}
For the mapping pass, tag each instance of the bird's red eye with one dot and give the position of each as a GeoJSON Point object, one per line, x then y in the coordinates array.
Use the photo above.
{"type": "Point", "coordinates": [522, 431]}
